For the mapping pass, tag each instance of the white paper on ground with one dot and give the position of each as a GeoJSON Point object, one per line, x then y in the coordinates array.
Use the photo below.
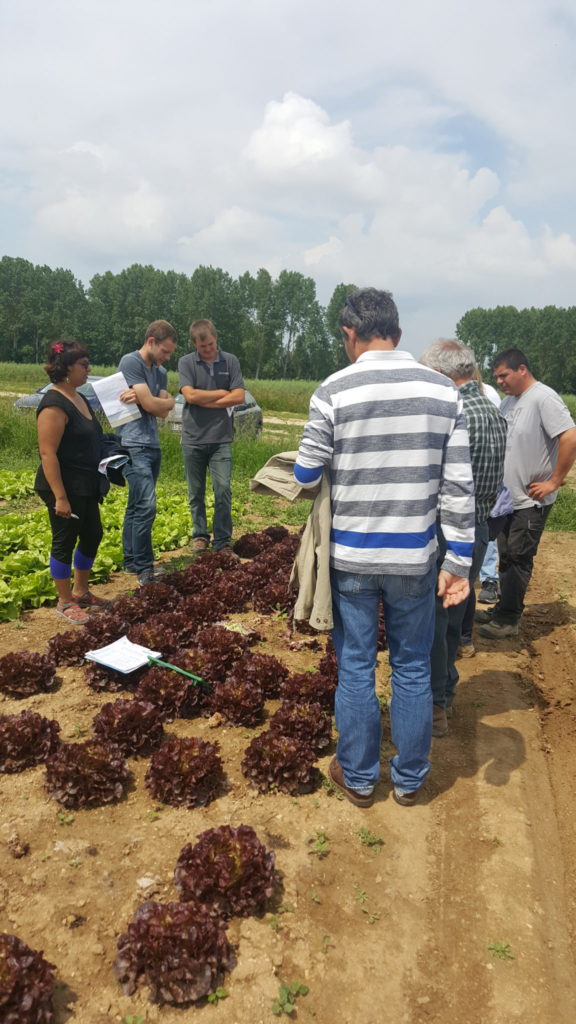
{"type": "Point", "coordinates": [122, 655]}
{"type": "Point", "coordinates": [107, 390]}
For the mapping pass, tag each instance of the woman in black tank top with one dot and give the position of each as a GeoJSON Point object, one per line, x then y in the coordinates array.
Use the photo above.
{"type": "Point", "coordinates": [69, 437]}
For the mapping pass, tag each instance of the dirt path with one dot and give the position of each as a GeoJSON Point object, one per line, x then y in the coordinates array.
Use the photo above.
{"type": "Point", "coordinates": [397, 934]}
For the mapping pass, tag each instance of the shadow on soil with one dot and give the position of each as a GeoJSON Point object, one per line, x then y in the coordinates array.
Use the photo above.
{"type": "Point", "coordinates": [472, 746]}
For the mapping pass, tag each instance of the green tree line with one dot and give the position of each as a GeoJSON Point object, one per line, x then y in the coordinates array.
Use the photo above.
{"type": "Point", "coordinates": [546, 336]}
{"type": "Point", "coordinates": [276, 327]}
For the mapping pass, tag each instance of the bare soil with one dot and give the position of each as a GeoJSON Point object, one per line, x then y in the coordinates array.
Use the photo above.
{"type": "Point", "coordinates": [400, 932]}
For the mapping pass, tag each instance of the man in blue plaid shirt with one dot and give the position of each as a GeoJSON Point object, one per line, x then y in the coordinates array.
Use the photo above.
{"type": "Point", "coordinates": [487, 433]}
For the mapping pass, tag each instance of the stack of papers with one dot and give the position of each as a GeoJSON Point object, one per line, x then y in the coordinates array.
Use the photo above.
{"type": "Point", "coordinates": [113, 461]}
{"type": "Point", "coordinates": [122, 655]}
{"type": "Point", "coordinates": [107, 389]}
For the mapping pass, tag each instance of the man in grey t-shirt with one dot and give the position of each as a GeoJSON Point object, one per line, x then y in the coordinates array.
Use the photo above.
{"type": "Point", "coordinates": [211, 384]}
{"type": "Point", "coordinates": [147, 388]}
{"type": "Point", "coordinates": [540, 450]}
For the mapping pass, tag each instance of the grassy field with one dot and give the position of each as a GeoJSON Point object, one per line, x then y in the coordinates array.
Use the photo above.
{"type": "Point", "coordinates": [19, 451]}
{"type": "Point", "coordinates": [291, 398]}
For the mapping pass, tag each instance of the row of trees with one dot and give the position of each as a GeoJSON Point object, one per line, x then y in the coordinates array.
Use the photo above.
{"type": "Point", "coordinates": [546, 336]}
{"type": "Point", "coordinates": [277, 328]}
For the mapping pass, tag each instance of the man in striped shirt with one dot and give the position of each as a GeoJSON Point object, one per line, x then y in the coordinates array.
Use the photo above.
{"type": "Point", "coordinates": [393, 435]}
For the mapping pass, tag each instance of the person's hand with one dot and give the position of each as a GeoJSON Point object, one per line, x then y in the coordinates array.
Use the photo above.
{"type": "Point", "coordinates": [63, 508]}
{"type": "Point", "coordinates": [128, 396]}
{"type": "Point", "coordinates": [540, 488]}
{"type": "Point", "coordinates": [454, 589]}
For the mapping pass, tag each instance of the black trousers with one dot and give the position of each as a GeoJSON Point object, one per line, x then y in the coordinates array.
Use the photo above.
{"type": "Point", "coordinates": [86, 530]}
{"type": "Point", "coordinates": [517, 546]}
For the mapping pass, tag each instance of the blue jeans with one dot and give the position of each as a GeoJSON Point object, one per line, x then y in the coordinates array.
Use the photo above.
{"type": "Point", "coordinates": [409, 615]}
{"type": "Point", "coordinates": [489, 569]}
{"type": "Point", "coordinates": [448, 626]}
{"type": "Point", "coordinates": [141, 475]}
{"type": "Point", "coordinates": [217, 458]}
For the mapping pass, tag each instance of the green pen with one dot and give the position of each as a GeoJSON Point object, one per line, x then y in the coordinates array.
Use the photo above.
{"type": "Point", "coordinates": [182, 671]}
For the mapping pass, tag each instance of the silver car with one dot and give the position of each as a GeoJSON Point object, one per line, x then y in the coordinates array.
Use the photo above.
{"type": "Point", "coordinates": [247, 416]}
{"type": "Point", "coordinates": [33, 401]}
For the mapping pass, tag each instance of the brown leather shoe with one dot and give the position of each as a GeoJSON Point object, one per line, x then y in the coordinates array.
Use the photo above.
{"type": "Point", "coordinates": [200, 544]}
{"type": "Point", "coordinates": [336, 776]}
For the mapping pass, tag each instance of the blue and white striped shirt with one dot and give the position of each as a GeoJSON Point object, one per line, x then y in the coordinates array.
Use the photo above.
{"type": "Point", "coordinates": [393, 434]}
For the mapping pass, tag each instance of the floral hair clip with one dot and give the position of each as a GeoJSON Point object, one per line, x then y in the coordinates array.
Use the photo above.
{"type": "Point", "coordinates": [58, 347]}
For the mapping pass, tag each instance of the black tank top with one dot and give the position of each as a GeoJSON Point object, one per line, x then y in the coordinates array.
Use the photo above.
{"type": "Point", "coordinates": [79, 450]}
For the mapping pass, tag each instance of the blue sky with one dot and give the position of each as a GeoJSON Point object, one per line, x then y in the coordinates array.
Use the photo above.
{"type": "Point", "coordinates": [427, 148]}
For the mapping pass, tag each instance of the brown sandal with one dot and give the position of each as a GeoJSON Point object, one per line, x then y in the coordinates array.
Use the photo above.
{"type": "Point", "coordinates": [73, 612]}
{"type": "Point", "coordinates": [90, 600]}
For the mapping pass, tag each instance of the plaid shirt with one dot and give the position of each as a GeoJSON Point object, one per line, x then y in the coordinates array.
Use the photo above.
{"type": "Point", "coordinates": [487, 432]}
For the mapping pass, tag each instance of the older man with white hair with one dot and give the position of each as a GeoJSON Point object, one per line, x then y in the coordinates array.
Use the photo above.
{"type": "Point", "coordinates": [487, 436]}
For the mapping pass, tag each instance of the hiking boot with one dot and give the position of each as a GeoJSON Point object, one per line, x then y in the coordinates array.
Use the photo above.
{"type": "Point", "coordinates": [483, 615]}
{"type": "Point", "coordinates": [151, 575]}
{"type": "Point", "coordinates": [489, 592]}
{"type": "Point", "coordinates": [199, 544]}
{"type": "Point", "coordinates": [406, 799]}
{"type": "Point", "coordinates": [439, 721]}
{"type": "Point", "coordinates": [466, 651]}
{"type": "Point", "coordinates": [336, 777]}
{"type": "Point", "coordinates": [498, 631]}
{"type": "Point", "coordinates": [228, 550]}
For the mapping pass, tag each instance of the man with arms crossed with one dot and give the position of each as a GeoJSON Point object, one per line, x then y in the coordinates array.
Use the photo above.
{"type": "Point", "coordinates": [393, 435]}
{"type": "Point", "coordinates": [147, 388]}
{"type": "Point", "coordinates": [211, 383]}
{"type": "Point", "coordinates": [540, 450]}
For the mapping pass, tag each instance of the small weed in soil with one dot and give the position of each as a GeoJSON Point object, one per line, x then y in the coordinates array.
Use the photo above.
{"type": "Point", "coordinates": [217, 995]}
{"type": "Point", "coordinates": [329, 788]}
{"type": "Point", "coordinates": [361, 897]}
{"type": "Point", "coordinates": [501, 950]}
{"type": "Point", "coordinates": [320, 846]}
{"type": "Point", "coordinates": [287, 995]}
{"type": "Point", "coordinates": [368, 838]}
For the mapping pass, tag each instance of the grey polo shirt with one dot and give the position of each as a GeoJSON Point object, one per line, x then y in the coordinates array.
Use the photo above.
{"type": "Point", "coordinates": [208, 426]}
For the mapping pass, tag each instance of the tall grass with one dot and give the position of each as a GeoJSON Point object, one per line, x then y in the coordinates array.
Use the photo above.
{"type": "Point", "coordinates": [19, 450]}
{"type": "Point", "coordinates": [283, 395]}
{"type": "Point", "coordinates": [18, 446]}
{"type": "Point", "coordinates": [26, 377]}
{"type": "Point", "coordinates": [571, 403]}
{"type": "Point", "coordinates": [292, 396]}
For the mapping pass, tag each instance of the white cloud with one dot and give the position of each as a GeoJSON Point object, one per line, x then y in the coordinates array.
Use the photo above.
{"type": "Point", "coordinates": [296, 136]}
{"type": "Point", "coordinates": [247, 238]}
{"type": "Point", "coordinates": [100, 219]}
{"type": "Point", "coordinates": [426, 147]}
